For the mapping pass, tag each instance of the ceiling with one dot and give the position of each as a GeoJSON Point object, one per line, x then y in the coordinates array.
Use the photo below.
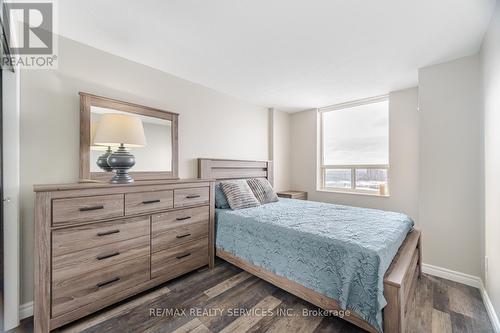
{"type": "Point", "coordinates": [288, 54]}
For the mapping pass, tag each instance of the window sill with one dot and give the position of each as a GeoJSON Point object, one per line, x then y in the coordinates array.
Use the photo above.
{"type": "Point", "coordinates": [354, 193]}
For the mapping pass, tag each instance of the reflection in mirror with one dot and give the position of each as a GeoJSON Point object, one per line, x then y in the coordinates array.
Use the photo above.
{"type": "Point", "coordinates": [156, 155]}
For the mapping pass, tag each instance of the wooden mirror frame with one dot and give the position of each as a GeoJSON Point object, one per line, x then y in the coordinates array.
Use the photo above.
{"type": "Point", "coordinates": [88, 100]}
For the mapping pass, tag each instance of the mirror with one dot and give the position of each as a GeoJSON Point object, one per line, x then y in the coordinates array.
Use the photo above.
{"type": "Point", "coordinates": [155, 155]}
{"type": "Point", "coordinates": [155, 158]}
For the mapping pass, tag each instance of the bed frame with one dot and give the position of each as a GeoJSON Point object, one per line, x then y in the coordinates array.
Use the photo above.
{"type": "Point", "coordinates": [400, 279]}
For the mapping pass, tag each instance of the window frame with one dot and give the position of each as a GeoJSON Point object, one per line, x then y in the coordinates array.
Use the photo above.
{"type": "Point", "coordinates": [322, 168]}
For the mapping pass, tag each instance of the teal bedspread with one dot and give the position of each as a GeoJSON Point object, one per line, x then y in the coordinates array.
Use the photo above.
{"type": "Point", "coordinates": [339, 251]}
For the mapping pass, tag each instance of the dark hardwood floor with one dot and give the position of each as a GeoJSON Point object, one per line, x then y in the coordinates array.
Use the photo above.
{"type": "Point", "coordinates": [193, 303]}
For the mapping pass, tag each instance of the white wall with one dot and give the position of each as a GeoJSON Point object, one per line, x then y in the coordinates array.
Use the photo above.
{"type": "Point", "coordinates": [280, 149]}
{"type": "Point", "coordinates": [211, 124]}
{"type": "Point", "coordinates": [403, 155]}
{"type": "Point", "coordinates": [450, 179]}
{"type": "Point", "coordinates": [490, 57]}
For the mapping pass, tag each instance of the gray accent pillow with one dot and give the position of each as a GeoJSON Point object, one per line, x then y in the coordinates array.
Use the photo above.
{"type": "Point", "coordinates": [262, 190]}
{"type": "Point", "coordinates": [220, 198]}
{"type": "Point", "coordinates": [238, 194]}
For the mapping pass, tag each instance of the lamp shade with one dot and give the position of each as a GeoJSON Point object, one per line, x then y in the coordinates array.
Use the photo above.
{"type": "Point", "coordinates": [115, 129]}
{"type": "Point", "coordinates": [93, 146]}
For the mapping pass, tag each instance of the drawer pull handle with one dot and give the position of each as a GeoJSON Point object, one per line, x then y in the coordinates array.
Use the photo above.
{"type": "Point", "coordinates": [105, 283]}
{"type": "Point", "coordinates": [106, 256]}
{"type": "Point", "coordinates": [182, 236]}
{"type": "Point", "coordinates": [151, 201]}
{"type": "Point", "coordinates": [183, 256]}
{"type": "Point", "coordinates": [183, 218]}
{"type": "Point", "coordinates": [192, 196]}
{"type": "Point", "coordinates": [110, 232]}
{"type": "Point", "coordinates": [89, 208]}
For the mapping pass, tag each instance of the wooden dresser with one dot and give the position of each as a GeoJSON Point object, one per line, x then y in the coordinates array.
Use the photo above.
{"type": "Point", "coordinates": [98, 243]}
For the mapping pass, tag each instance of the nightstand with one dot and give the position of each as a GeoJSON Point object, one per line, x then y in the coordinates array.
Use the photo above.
{"type": "Point", "coordinates": [300, 195]}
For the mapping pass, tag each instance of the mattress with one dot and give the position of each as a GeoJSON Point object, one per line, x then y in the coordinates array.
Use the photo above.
{"type": "Point", "coordinates": [339, 251]}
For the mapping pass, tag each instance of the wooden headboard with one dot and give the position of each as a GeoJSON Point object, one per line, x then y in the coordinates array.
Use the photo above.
{"type": "Point", "coordinates": [220, 169]}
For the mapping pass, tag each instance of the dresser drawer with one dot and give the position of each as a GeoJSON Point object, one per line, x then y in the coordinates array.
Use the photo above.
{"type": "Point", "coordinates": [86, 208]}
{"type": "Point", "coordinates": [175, 228]}
{"type": "Point", "coordinates": [180, 259]}
{"type": "Point", "coordinates": [77, 263]}
{"type": "Point", "coordinates": [145, 202]}
{"type": "Point", "coordinates": [191, 196]}
{"type": "Point", "coordinates": [72, 293]}
{"type": "Point", "coordinates": [92, 235]}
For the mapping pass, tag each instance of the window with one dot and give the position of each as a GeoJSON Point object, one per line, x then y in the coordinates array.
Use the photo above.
{"type": "Point", "coordinates": [355, 147]}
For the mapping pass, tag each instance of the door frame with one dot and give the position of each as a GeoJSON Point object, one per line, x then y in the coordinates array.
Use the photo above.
{"type": "Point", "coordinates": [10, 135]}
{"type": "Point", "coordinates": [11, 188]}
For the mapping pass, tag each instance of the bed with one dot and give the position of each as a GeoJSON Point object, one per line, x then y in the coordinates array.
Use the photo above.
{"type": "Point", "coordinates": [326, 254]}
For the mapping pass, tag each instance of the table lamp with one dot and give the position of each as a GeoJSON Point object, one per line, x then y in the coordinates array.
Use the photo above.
{"type": "Point", "coordinates": [125, 131]}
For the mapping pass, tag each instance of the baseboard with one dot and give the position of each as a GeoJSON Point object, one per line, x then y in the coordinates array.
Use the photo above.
{"type": "Point", "coordinates": [25, 310]}
{"type": "Point", "coordinates": [470, 280]}
{"type": "Point", "coordinates": [495, 322]}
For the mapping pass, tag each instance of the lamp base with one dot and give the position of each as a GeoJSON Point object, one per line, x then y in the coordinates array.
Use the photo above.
{"type": "Point", "coordinates": [121, 177]}
{"type": "Point", "coordinates": [102, 161]}
{"type": "Point", "coordinates": [121, 161]}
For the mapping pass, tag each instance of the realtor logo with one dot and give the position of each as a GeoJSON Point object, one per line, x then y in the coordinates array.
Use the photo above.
{"type": "Point", "coordinates": [29, 35]}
